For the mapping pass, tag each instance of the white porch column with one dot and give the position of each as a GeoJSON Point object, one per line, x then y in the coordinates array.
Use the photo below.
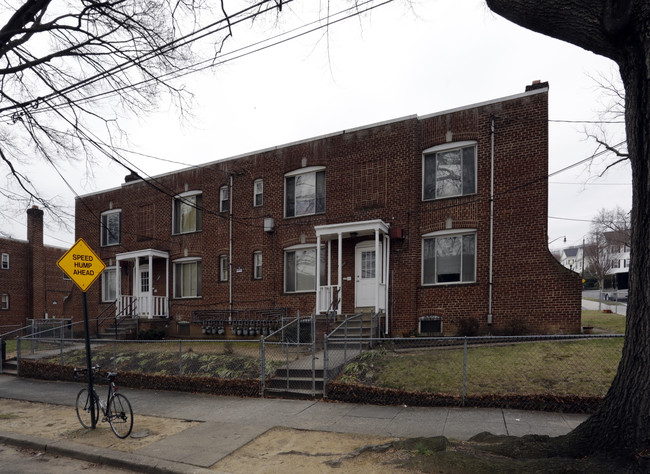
{"type": "Point", "coordinates": [118, 286]}
{"type": "Point", "coordinates": [387, 277]}
{"type": "Point", "coordinates": [329, 262]}
{"type": "Point", "coordinates": [167, 286]}
{"type": "Point", "coordinates": [377, 279]}
{"type": "Point", "coordinates": [136, 286]}
{"type": "Point", "coordinates": [339, 276]}
{"type": "Point", "coordinates": [318, 273]}
{"type": "Point", "coordinates": [150, 292]}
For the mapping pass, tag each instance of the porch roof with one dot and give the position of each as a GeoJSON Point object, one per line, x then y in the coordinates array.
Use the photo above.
{"type": "Point", "coordinates": [142, 253]}
{"type": "Point", "coordinates": [361, 228]}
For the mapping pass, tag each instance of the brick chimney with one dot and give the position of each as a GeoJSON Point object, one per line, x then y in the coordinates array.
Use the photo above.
{"type": "Point", "coordinates": [537, 85]}
{"type": "Point", "coordinates": [35, 226]}
{"type": "Point", "coordinates": [36, 268]}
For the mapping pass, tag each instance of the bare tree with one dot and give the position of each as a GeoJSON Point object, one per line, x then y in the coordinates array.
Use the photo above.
{"type": "Point", "coordinates": [616, 29]}
{"type": "Point", "coordinates": [599, 251]}
{"type": "Point", "coordinates": [59, 58]}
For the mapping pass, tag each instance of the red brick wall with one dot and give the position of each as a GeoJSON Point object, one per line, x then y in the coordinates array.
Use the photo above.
{"type": "Point", "coordinates": [33, 281]}
{"type": "Point", "coordinates": [372, 173]}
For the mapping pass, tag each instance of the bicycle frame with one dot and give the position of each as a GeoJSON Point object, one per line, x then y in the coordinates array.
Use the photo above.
{"type": "Point", "coordinates": [116, 410]}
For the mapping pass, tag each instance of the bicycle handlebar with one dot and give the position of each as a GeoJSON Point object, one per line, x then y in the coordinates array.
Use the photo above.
{"type": "Point", "coordinates": [96, 371]}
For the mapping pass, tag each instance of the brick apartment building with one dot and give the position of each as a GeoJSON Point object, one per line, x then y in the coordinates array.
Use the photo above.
{"type": "Point", "coordinates": [31, 284]}
{"type": "Point", "coordinates": [395, 216]}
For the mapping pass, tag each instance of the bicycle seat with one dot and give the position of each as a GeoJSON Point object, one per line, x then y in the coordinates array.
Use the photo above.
{"type": "Point", "coordinates": [111, 375]}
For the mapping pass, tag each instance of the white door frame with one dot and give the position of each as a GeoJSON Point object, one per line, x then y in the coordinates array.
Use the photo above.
{"type": "Point", "coordinates": [365, 292]}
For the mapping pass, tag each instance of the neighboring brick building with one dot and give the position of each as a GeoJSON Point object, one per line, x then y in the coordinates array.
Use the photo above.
{"type": "Point", "coordinates": [31, 284]}
{"type": "Point", "coordinates": [401, 210]}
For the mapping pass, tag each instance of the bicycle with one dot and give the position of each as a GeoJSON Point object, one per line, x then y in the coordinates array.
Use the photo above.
{"type": "Point", "coordinates": [117, 409]}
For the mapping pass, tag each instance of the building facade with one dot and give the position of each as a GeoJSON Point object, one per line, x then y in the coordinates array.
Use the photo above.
{"type": "Point", "coordinates": [31, 284]}
{"type": "Point", "coordinates": [419, 218]}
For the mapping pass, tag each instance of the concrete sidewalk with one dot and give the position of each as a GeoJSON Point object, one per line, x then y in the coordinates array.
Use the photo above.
{"type": "Point", "coordinates": [228, 423]}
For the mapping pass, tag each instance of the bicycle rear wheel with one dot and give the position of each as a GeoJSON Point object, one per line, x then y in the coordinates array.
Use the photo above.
{"type": "Point", "coordinates": [120, 416]}
{"type": "Point", "coordinates": [83, 407]}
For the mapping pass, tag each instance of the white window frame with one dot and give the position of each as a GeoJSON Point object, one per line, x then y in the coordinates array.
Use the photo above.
{"type": "Point", "coordinates": [303, 248]}
{"type": "Point", "coordinates": [257, 265]}
{"type": "Point", "coordinates": [4, 301]}
{"type": "Point", "coordinates": [303, 172]}
{"type": "Point", "coordinates": [223, 199]}
{"type": "Point", "coordinates": [223, 268]}
{"type": "Point", "coordinates": [5, 261]}
{"type": "Point", "coordinates": [105, 230]}
{"type": "Point", "coordinates": [176, 264]}
{"type": "Point", "coordinates": [108, 280]}
{"type": "Point", "coordinates": [184, 199]}
{"type": "Point", "coordinates": [445, 234]}
{"type": "Point", "coordinates": [448, 147]}
{"type": "Point", "coordinates": [258, 191]}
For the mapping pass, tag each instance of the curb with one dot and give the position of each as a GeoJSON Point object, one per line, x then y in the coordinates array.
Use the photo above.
{"type": "Point", "coordinates": [107, 457]}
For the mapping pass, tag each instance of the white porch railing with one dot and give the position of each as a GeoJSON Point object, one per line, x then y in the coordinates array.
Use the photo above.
{"type": "Point", "coordinates": [142, 306]}
{"type": "Point", "coordinates": [326, 297]}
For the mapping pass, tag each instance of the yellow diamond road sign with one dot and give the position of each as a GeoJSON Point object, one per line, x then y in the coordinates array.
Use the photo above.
{"type": "Point", "coordinates": [81, 264]}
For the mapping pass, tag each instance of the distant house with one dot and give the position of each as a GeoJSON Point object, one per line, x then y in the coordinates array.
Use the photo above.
{"type": "Point", "coordinates": [419, 219]}
{"type": "Point", "coordinates": [31, 284]}
{"type": "Point", "coordinates": [619, 242]}
{"type": "Point", "coordinates": [573, 259]}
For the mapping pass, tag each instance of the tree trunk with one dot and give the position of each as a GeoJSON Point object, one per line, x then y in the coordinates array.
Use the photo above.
{"type": "Point", "coordinates": [620, 30]}
{"type": "Point", "coordinates": [623, 421]}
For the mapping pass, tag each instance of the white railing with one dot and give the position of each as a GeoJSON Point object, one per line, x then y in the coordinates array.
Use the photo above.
{"type": "Point", "coordinates": [142, 306]}
{"type": "Point", "coordinates": [326, 297]}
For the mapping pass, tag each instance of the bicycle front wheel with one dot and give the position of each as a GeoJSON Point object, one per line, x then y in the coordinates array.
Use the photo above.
{"type": "Point", "coordinates": [120, 416]}
{"type": "Point", "coordinates": [83, 405]}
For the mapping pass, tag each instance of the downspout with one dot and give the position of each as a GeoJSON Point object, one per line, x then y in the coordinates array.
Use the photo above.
{"type": "Point", "coordinates": [491, 278]}
{"type": "Point", "coordinates": [230, 201]}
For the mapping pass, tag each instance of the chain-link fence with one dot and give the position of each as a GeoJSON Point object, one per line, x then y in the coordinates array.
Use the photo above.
{"type": "Point", "coordinates": [535, 372]}
{"type": "Point", "coordinates": [288, 359]}
{"type": "Point", "coordinates": [571, 373]}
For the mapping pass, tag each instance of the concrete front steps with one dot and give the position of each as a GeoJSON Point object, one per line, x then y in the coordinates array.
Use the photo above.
{"type": "Point", "coordinates": [127, 328]}
{"type": "Point", "coordinates": [10, 367]}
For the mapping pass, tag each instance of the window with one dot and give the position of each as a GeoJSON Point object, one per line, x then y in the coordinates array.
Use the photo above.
{"type": "Point", "coordinates": [187, 278]}
{"type": "Point", "coordinates": [111, 223]}
{"type": "Point", "coordinates": [300, 269]}
{"type": "Point", "coordinates": [5, 261]}
{"type": "Point", "coordinates": [305, 192]}
{"type": "Point", "coordinates": [449, 257]}
{"type": "Point", "coordinates": [448, 171]}
{"type": "Point", "coordinates": [108, 284]}
{"type": "Point", "coordinates": [257, 265]}
{"type": "Point", "coordinates": [5, 301]}
{"type": "Point", "coordinates": [258, 193]}
{"type": "Point", "coordinates": [223, 199]}
{"type": "Point", "coordinates": [188, 213]}
{"type": "Point", "coordinates": [223, 268]}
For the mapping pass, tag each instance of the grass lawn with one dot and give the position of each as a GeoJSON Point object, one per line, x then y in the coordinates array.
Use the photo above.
{"type": "Point", "coordinates": [604, 323]}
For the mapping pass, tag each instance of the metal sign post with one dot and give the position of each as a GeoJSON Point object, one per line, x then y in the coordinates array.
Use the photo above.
{"type": "Point", "coordinates": [83, 266]}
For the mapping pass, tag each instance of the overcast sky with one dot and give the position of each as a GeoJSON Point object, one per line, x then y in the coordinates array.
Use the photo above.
{"type": "Point", "coordinates": [394, 62]}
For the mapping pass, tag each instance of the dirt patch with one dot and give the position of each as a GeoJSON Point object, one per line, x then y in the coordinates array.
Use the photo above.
{"type": "Point", "coordinates": [297, 451]}
{"type": "Point", "coordinates": [58, 422]}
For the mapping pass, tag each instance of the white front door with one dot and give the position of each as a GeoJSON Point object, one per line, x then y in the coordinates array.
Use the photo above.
{"type": "Point", "coordinates": [141, 290]}
{"type": "Point", "coordinates": [366, 272]}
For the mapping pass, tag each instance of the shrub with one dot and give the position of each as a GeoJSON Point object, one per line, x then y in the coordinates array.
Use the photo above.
{"type": "Point", "coordinates": [151, 335]}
